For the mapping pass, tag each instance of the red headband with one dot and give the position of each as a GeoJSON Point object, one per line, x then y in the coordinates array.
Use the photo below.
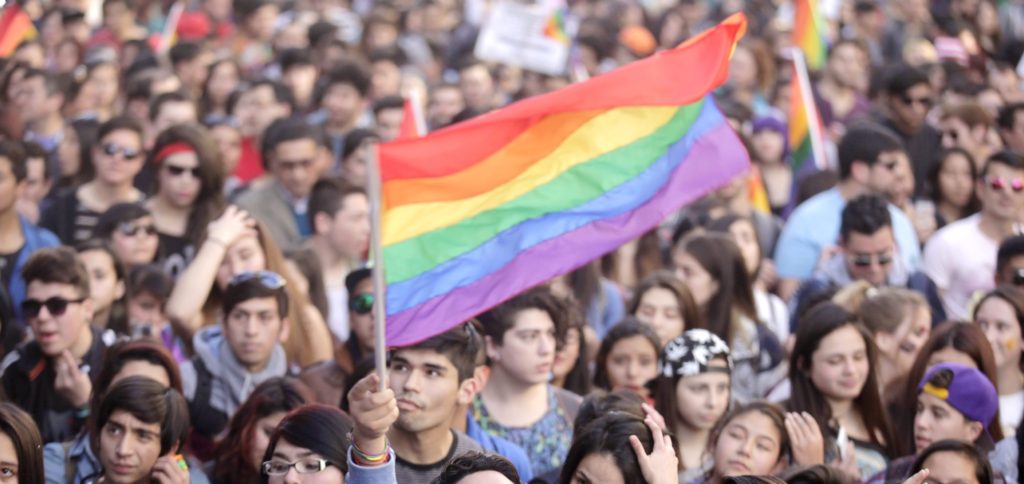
{"type": "Point", "coordinates": [172, 149]}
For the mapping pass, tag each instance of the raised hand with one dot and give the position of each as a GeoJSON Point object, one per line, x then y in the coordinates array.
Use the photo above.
{"type": "Point", "coordinates": [805, 439]}
{"type": "Point", "coordinates": [231, 226]}
{"type": "Point", "coordinates": [918, 478]}
{"type": "Point", "coordinates": [373, 412]}
{"type": "Point", "coordinates": [168, 471]}
{"type": "Point", "coordinates": [71, 383]}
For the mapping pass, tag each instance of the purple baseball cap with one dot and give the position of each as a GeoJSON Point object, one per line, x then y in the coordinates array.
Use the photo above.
{"type": "Point", "coordinates": [970, 391]}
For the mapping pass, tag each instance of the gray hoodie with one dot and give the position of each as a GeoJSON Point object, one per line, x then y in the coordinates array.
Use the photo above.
{"type": "Point", "coordinates": [231, 384]}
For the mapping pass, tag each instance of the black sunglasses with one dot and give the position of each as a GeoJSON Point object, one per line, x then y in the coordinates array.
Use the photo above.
{"type": "Point", "coordinates": [130, 229]}
{"type": "Point", "coordinates": [865, 260]}
{"type": "Point", "coordinates": [361, 303]}
{"type": "Point", "coordinates": [176, 170]}
{"type": "Point", "coordinates": [112, 149]}
{"type": "Point", "coordinates": [56, 306]}
{"type": "Point", "coordinates": [269, 280]}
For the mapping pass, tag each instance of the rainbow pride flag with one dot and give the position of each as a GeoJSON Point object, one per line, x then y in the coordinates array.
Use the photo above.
{"type": "Point", "coordinates": [478, 212]}
{"type": "Point", "coordinates": [809, 33]}
{"type": "Point", "coordinates": [15, 28]}
{"type": "Point", "coordinates": [802, 158]}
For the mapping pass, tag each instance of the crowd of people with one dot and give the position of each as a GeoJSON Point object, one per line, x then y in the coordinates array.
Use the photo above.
{"type": "Point", "coordinates": [184, 227]}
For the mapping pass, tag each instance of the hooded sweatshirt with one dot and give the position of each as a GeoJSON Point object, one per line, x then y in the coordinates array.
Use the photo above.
{"type": "Point", "coordinates": [230, 383]}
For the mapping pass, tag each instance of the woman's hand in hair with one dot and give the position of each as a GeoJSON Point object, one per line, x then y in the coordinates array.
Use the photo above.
{"type": "Point", "coordinates": [231, 226]}
{"type": "Point", "coordinates": [373, 412]}
{"type": "Point", "coordinates": [661, 466]}
{"type": "Point", "coordinates": [651, 412]}
{"type": "Point", "coordinates": [805, 439]}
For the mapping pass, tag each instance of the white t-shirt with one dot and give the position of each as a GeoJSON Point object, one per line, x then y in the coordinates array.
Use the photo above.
{"type": "Point", "coordinates": [337, 306]}
{"type": "Point", "coordinates": [773, 313]}
{"type": "Point", "coordinates": [961, 260]}
{"type": "Point", "coordinates": [1011, 407]}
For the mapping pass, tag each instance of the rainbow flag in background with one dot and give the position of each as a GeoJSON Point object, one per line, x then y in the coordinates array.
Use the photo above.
{"type": "Point", "coordinates": [555, 28]}
{"type": "Point", "coordinates": [15, 28]}
{"type": "Point", "coordinates": [478, 212]}
{"type": "Point", "coordinates": [802, 155]}
{"type": "Point", "coordinates": [809, 33]}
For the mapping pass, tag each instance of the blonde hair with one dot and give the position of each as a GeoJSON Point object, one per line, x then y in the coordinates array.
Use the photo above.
{"type": "Point", "coordinates": [882, 310]}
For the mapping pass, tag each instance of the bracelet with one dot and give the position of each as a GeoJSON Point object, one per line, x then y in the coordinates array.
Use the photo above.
{"type": "Point", "coordinates": [361, 457]}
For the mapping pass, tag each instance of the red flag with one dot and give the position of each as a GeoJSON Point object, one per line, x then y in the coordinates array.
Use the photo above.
{"type": "Point", "coordinates": [15, 27]}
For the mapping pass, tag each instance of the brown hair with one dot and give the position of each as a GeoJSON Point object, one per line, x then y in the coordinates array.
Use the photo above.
{"type": "Point", "coordinates": [210, 200]}
{"type": "Point", "coordinates": [502, 318]}
{"type": "Point", "coordinates": [882, 310]}
{"type": "Point", "coordinates": [721, 258]}
{"type": "Point", "coordinates": [299, 338]}
{"type": "Point", "coordinates": [688, 309]}
{"type": "Point", "coordinates": [57, 265]}
{"type": "Point", "coordinates": [624, 329]}
{"type": "Point", "coordinates": [774, 413]}
{"type": "Point", "coordinates": [971, 113]}
{"type": "Point", "coordinates": [961, 336]}
{"type": "Point", "coordinates": [18, 425]}
{"type": "Point", "coordinates": [819, 322]}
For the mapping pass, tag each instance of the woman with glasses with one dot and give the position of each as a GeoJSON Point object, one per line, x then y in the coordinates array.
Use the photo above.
{"type": "Point", "coordinates": [311, 444]}
{"type": "Point", "coordinates": [234, 244]}
{"type": "Point", "coordinates": [116, 158]}
{"type": "Point", "coordinates": [188, 192]}
{"type": "Point", "coordinates": [130, 230]}
{"type": "Point", "coordinates": [1000, 314]}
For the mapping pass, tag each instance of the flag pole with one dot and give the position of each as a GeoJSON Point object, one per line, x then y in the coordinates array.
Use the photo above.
{"type": "Point", "coordinates": [377, 266]}
{"type": "Point", "coordinates": [812, 109]}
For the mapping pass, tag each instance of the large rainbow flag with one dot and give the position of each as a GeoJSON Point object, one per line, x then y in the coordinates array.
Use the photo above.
{"type": "Point", "coordinates": [809, 33]}
{"type": "Point", "coordinates": [475, 213]}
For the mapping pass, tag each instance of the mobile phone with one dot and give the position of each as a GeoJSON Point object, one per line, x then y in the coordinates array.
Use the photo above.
{"type": "Point", "coordinates": [841, 440]}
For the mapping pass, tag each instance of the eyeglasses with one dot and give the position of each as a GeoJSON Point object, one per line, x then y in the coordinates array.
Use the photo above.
{"type": "Point", "coordinates": [865, 260]}
{"type": "Point", "coordinates": [130, 229]}
{"type": "Point", "coordinates": [925, 101]}
{"type": "Point", "coordinates": [269, 280]}
{"type": "Point", "coordinates": [56, 306]}
{"type": "Point", "coordinates": [309, 465]}
{"type": "Point", "coordinates": [1000, 183]}
{"type": "Point", "coordinates": [112, 149]}
{"type": "Point", "coordinates": [361, 303]}
{"type": "Point", "coordinates": [177, 171]}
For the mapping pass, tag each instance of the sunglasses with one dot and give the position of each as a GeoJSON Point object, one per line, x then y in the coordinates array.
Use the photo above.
{"type": "Point", "coordinates": [131, 230]}
{"type": "Point", "coordinates": [924, 101]}
{"type": "Point", "coordinates": [177, 171]}
{"type": "Point", "coordinates": [865, 260]}
{"type": "Point", "coordinates": [56, 306]}
{"type": "Point", "coordinates": [112, 149]}
{"type": "Point", "coordinates": [361, 303]}
{"type": "Point", "coordinates": [269, 280]}
{"type": "Point", "coordinates": [1000, 183]}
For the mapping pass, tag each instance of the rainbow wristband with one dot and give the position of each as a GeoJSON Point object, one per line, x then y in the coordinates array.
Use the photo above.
{"type": "Point", "coordinates": [361, 457]}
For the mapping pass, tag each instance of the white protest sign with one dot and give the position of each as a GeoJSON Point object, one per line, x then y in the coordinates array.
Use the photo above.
{"type": "Point", "coordinates": [533, 37]}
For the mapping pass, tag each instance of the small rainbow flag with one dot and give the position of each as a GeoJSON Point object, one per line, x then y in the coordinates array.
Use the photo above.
{"type": "Point", "coordinates": [15, 28]}
{"type": "Point", "coordinates": [478, 212]}
{"type": "Point", "coordinates": [555, 28]}
{"type": "Point", "coordinates": [809, 33]}
{"type": "Point", "coordinates": [803, 158]}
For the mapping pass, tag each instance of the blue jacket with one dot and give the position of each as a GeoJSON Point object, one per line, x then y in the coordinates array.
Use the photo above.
{"type": "Point", "coordinates": [35, 238]}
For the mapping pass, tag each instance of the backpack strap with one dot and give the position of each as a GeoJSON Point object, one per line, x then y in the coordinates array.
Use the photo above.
{"type": "Point", "coordinates": [204, 416]}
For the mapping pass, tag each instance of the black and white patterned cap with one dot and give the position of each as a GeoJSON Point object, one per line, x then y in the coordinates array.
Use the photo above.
{"type": "Point", "coordinates": [689, 354]}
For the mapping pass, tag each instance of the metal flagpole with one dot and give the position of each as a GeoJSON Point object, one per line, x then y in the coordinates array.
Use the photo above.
{"type": "Point", "coordinates": [377, 266]}
{"type": "Point", "coordinates": [810, 108]}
